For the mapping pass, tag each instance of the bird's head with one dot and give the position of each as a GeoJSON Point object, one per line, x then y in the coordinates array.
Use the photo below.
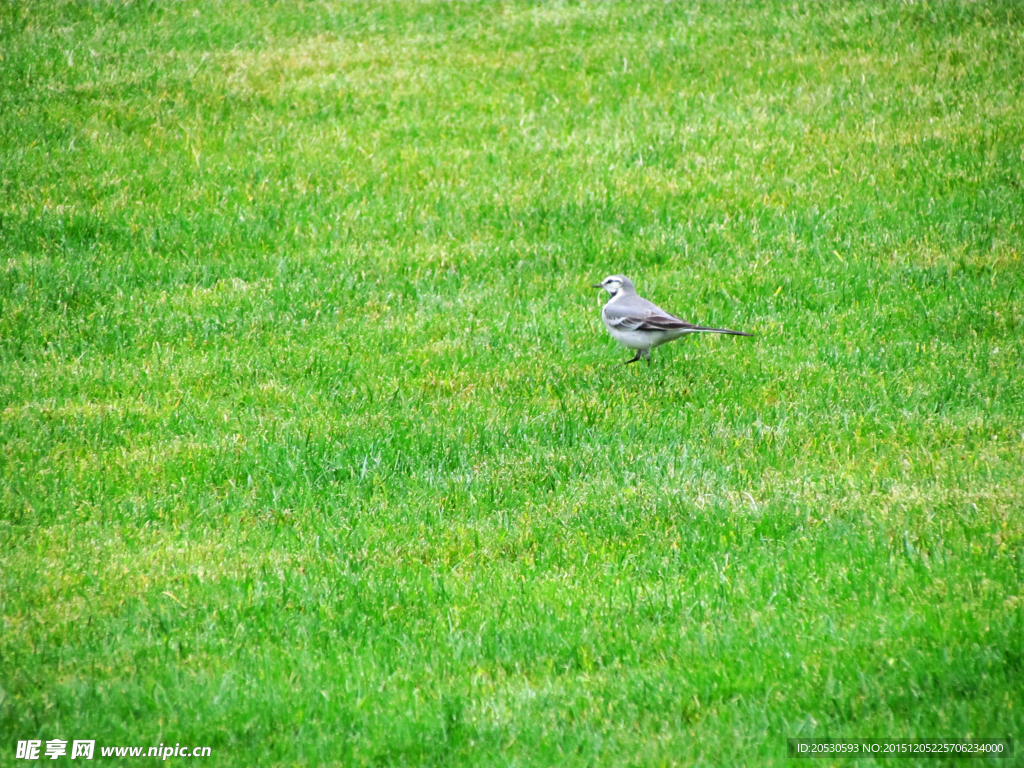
{"type": "Point", "coordinates": [616, 284]}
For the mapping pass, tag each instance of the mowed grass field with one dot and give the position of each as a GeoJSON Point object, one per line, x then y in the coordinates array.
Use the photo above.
{"type": "Point", "coordinates": [314, 450]}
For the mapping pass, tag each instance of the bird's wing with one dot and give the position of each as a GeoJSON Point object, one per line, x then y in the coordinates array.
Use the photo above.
{"type": "Point", "coordinates": [641, 315]}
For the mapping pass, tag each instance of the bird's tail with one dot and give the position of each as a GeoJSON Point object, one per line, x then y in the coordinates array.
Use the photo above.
{"type": "Point", "coordinates": [701, 329]}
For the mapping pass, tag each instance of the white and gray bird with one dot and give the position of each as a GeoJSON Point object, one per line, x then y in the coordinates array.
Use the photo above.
{"type": "Point", "coordinates": [639, 324]}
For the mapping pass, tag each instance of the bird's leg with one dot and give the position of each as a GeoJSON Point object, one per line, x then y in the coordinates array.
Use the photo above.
{"type": "Point", "coordinates": [636, 357]}
{"type": "Point", "coordinates": [647, 356]}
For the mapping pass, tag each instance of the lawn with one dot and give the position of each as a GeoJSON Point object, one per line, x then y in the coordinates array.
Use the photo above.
{"type": "Point", "coordinates": [313, 447]}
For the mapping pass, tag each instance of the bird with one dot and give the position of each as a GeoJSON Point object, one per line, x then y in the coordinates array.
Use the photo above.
{"type": "Point", "coordinates": [639, 324]}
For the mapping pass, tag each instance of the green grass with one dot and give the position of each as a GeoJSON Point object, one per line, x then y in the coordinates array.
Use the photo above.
{"type": "Point", "coordinates": [313, 448]}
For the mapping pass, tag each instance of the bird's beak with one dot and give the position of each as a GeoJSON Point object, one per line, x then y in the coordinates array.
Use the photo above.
{"type": "Point", "coordinates": [597, 286]}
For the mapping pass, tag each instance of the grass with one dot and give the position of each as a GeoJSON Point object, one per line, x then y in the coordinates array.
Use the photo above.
{"type": "Point", "coordinates": [313, 449]}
